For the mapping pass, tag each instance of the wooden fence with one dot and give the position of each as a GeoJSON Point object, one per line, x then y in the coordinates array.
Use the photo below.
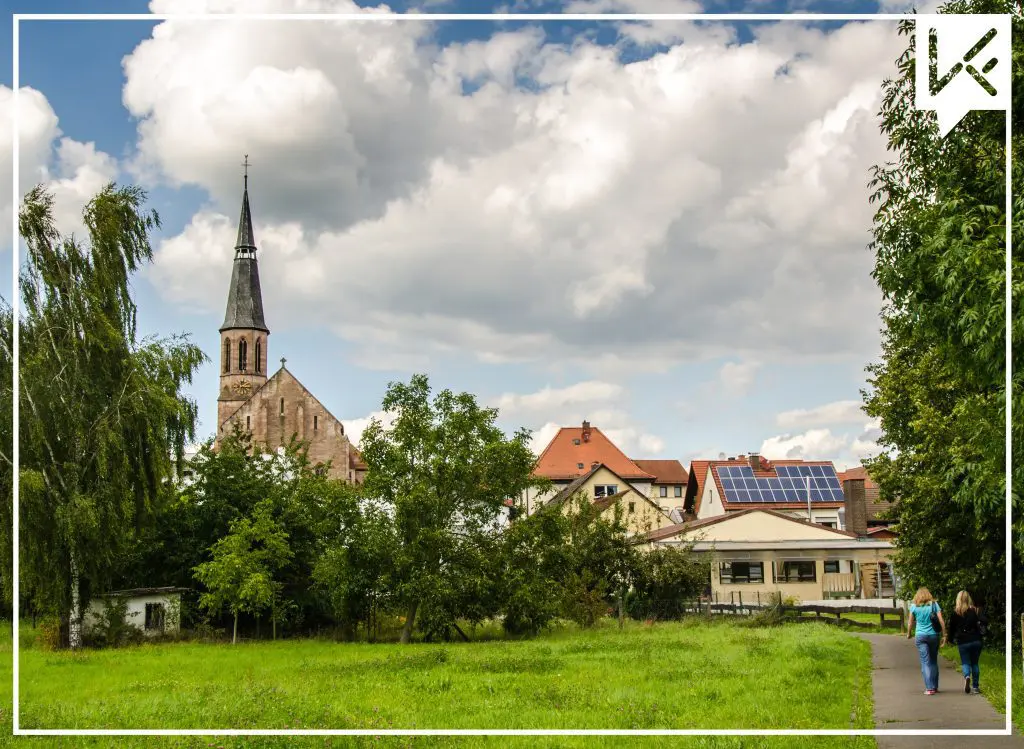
{"type": "Point", "coordinates": [892, 618]}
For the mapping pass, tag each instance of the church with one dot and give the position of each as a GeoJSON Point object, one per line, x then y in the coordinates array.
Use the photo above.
{"type": "Point", "coordinates": [271, 408]}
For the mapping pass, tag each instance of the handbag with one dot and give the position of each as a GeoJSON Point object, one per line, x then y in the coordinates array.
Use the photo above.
{"type": "Point", "coordinates": [936, 624]}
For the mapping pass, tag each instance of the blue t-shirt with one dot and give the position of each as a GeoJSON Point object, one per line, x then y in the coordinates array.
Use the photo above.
{"type": "Point", "coordinates": [923, 619]}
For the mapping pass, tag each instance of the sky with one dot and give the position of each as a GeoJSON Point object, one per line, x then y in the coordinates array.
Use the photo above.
{"type": "Point", "coordinates": [660, 227]}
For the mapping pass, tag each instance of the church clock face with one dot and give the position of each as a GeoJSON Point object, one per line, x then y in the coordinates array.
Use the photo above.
{"type": "Point", "coordinates": [242, 387]}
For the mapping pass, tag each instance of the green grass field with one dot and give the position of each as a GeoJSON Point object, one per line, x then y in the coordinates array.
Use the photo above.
{"type": "Point", "coordinates": [691, 675]}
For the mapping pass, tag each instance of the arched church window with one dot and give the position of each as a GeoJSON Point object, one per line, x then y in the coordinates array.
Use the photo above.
{"type": "Point", "coordinates": [282, 406]}
{"type": "Point", "coordinates": [258, 364]}
{"type": "Point", "coordinates": [227, 355]}
{"type": "Point", "coordinates": [242, 355]}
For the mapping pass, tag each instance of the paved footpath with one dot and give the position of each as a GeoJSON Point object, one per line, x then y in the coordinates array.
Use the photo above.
{"type": "Point", "coordinates": [900, 702]}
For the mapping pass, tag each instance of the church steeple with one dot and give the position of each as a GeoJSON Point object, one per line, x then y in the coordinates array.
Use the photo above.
{"type": "Point", "coordinates": [244, 333]}
{"type": "Point", "coordinates": [245, 300]}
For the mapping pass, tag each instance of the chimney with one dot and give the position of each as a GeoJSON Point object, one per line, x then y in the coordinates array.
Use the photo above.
{"type": "Point", "coordinates": [755, 461]}
{"type": "Point", "coordinates": [856, 506]}
{"type": "Point", "coordinates": [586, 431]}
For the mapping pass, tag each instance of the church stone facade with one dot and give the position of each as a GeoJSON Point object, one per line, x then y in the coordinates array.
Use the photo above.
{"type": "Point", "coordinates": [271, 408]}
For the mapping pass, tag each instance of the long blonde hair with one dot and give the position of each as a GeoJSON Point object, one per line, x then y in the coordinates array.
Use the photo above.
{"type": "Point", "coordinates": [963, 602]}
{"type": "Point", "coordinates": [922, 597]}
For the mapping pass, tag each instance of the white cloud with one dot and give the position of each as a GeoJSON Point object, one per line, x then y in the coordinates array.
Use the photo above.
{"type": "Point", "coordinates": [354, 428]}
{"type": "Point", "coordinates": [547, 399]}
{"type": "Point", "coordinates": [838, 412]}
{"type": "Point", "coordinates": [814, 444]}
{"type": "Point", "coordinates": [37, 131]}
{"type": "Point", "coordinates": [418, 200]}
{"type": "Point", "coordinates": [78, 173]}
{"type": "Point", "coordinates": [845, 450]}
{"type": "Point", "coordinates": [738, 377]}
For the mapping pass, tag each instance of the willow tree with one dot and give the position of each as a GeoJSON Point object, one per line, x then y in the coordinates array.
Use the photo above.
{"type": "Point", "coordinates": [102, 411]}
{"type": "Point", "coordinates": [940, 389]}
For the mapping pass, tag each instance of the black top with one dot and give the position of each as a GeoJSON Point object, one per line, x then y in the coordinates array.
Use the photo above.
{"type": "Point", "coordinates": [966, 628]}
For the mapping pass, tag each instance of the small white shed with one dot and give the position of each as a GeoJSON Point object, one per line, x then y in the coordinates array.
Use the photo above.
{"type": "Point", "coordinates": [154, 611]}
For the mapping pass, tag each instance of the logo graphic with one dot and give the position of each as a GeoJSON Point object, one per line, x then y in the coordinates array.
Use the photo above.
{"type": "Point", "coordinates": [967, 65]}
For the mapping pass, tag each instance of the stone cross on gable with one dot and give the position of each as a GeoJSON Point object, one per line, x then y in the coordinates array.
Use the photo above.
{"type": "Point", "coordinates": [283, 360]}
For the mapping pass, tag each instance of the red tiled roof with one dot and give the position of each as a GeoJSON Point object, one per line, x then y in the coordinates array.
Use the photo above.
{"type": "Point", "coordinates": [562, 458]}
{"type": "Point", "coordinates": [860, 472]}
{"type": "Point", "coordinates": [672, 530]}
{"type": "Point", "coordinates": [699, 470]}
{"type": "Point", "coordinates": [664, 471]}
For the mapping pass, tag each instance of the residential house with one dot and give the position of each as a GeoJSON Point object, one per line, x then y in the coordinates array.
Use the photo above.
{"type": "Point", "coordinates": [605, 489]}
{"type": "Point", "coordinates": [669, 486]}
{"type": "Point", "coordinates": [802, 489]}
{"type": "Point", "coordinates": [573, 452]}
{"type": "Point", "coordinates": [756, 552]}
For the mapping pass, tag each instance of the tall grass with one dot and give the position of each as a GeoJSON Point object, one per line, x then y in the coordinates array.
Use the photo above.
{"type": "Point", "coordinates": [668, 676]}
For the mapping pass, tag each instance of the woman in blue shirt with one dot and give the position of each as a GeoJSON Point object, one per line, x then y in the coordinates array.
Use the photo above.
{"type": "Point", "coordinates": [927, 637]}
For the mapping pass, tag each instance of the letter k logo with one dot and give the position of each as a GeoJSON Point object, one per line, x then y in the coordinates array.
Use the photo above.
{"type": "Point", "coordinates": [936, 84]}
{"type": "Point", "coordinates": [975, 44]}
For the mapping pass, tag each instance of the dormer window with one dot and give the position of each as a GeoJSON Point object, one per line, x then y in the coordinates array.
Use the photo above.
{"type": "Point", "coordinates": [579, 466]}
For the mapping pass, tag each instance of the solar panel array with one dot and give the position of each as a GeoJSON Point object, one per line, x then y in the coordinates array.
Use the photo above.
{"type": "Point", "coordinates": [740, 484]}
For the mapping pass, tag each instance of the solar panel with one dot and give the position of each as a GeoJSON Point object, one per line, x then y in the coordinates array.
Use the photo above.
{"type": "Point", "coordinates": [740, 485]}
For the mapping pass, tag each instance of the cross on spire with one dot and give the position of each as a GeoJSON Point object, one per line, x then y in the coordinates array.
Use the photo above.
{"type": "Point", "coordinates": [246, 165]}
{"type": "Point", "coordinates": [283, 360]}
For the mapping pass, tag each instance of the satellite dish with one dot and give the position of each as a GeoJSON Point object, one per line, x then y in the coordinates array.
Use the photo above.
{"type": "Point", "coordinates": [721, 456]}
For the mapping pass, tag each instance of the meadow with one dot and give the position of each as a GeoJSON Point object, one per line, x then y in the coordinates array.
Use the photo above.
{"type": "Point", "coordinates": [679, 675]}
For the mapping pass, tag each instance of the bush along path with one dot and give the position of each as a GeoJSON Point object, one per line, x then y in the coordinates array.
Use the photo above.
{"type": "Point", "coordinates": [900, 702]}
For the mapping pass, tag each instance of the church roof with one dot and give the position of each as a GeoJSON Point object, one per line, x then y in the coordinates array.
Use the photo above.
{"type": "Point", "coordinates": [245, 300]}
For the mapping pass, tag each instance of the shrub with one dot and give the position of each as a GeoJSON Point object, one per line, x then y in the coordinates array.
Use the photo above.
{"type": "Point", "coordinates": [112, 627]}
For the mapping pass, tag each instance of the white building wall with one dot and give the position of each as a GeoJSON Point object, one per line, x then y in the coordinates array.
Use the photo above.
{"type": "Point", "coordinates": [136, 614]}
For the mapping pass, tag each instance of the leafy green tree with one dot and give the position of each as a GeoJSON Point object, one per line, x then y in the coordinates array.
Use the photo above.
{"type": "Point", "coordinates": [939, 391]}
{"type": "Point", "coordinates": [101, 411]}
{"type": "Point", "coordinates": [534, 558]}
{"type": "Point", "coordinates": [239, 576]}
{"type": "Point", "coordinates": [664, 579]}
{"type": "Point", "coordinates": [444, 470]}
{"type": "Point", "coordinates": [602, 563]}
{"type": "Point", "coordinates": [353, 569]}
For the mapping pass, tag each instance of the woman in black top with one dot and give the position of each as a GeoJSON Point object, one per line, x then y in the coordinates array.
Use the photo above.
{"type": "Point", "coordinates": [965, 628]}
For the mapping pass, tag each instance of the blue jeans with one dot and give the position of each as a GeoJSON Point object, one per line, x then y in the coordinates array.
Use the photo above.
{"type": "Point", "coordinates": [928, 652]}
{"type": "Point", "coordinates": [970, 654]}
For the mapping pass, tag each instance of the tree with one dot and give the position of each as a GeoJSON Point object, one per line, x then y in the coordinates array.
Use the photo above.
{"type": "Point", "coordinates": [664, 580]}
{"type": "Point", "coordinates": [240, 575]}
{"type": "Point", "coordinates": [444, 470]}
{"type": "Point", "coordinates": [939, 391]}
{"type": "Point", "coordinates": [101, 411]}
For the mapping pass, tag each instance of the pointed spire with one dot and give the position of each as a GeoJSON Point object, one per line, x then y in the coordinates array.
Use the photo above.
{"type": "Point", "coordinates": [246, 238]}
{"type": "Point", "coordinates": [245, 299]}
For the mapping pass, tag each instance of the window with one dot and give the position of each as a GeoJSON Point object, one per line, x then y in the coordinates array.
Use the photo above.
{"type": "Point", "coordinates": [314, 422]}
{"type": "Point", "coordinates": [579, 466]}
{"type": "Point", "coordinates": [828, 523]}
{"type": "Point", "coordinates": [227, 355]}
{"type": "Point", "coordinates": [247, 426]}
{"type": "Point", "coordinates": [632, 506]}
{"type": "Point", "coordinates": [797, 572]}
{"type": "Point", "coordinates": [576, 442]}
{"type": "Point", "coordinates": [282, 406]}
{"type": "Point", "coordinates": [663, 491]}
{"type": "Point", "coordinates": [243, 355]}
{"type": "Point", "coordinates": [679, 491]}
{"type": "Point", "coordinates": [155, 616]}
{"type": "Point", "coordinates": [606, 490]}
{"type": "Point", "coordinates": [741, 572]}
{"type": "Point", "coordinates": [831, 565]}
{"type": "Point", "coordinates": [258, 363]}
